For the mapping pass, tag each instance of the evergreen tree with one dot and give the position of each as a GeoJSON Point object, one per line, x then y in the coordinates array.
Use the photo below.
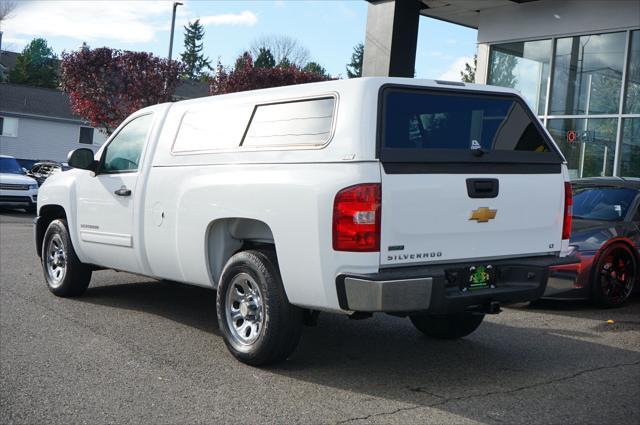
{"type": "Point", "coordinates": [37, 65]}
{"type": "Point", "coordinates": [469, 73]}
{"type": "Point", "coordinates": [285, 63]}
{"type": "Point", "coordinates": [244, 61]}
{"type": "Point", "coordinates": [195, 62]}
{"type": "Point", "coordinates": [265, 59]}
{"type": "Point", "coordinates": [316, 68]}
{"type": "Point", "coordinates": [354, 69]}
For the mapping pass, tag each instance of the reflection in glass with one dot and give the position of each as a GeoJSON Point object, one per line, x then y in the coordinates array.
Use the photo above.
{"type": "Point", "coordinates": [630, 148]}
{"type": "Point", "coordinates": [123, 152]}
{"type": "Point", "coordinates": [632, 101]}
{"type": "Point", "coordinates": [587, 144]}
{"type": "Point", "coordinates": [587, 74]}
{"type": "Point", "coordinates": [523, 66]}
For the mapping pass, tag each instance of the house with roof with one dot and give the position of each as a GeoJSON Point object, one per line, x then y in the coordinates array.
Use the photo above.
{"type": "Point", "coordinates": [37, 124]}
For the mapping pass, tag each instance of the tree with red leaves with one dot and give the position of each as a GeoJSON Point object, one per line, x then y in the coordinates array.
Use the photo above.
{"type": "Point", "coordinates": [247, 77]}
{"type": "Point", "coordinates": [107, 85]}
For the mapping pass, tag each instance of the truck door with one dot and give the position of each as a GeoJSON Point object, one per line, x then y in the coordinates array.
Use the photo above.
{"type": "Point", "coordinates": [106, 201]}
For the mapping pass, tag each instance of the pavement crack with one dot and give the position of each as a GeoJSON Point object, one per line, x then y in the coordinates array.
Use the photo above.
{"type": "Point", "coordinates": [487, 394]}
{"type": "Point", "coordinates": [534, 385]}
{"type": "Point", "coordinates": [374, 415]}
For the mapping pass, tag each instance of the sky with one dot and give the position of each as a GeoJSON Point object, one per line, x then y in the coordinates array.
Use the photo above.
{"type": "Point", "coordinates": [328, 29]}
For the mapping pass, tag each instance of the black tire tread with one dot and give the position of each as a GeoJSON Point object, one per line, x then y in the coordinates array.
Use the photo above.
{"type": "Point", "coordinates": [78, 275]}
{"type": "Point", "coordinates": [284, 321]}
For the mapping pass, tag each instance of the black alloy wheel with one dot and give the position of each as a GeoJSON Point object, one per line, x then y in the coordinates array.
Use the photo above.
{"type": "Point", "coordinates": [615, 275]}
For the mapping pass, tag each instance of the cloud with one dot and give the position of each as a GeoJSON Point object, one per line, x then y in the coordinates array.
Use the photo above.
{"type": "Point", "coordinates": [247, 18]}
{"type": "Point", "coordinates": [124, 21]}
{"type": "Point", "coordinates": [453, 71]}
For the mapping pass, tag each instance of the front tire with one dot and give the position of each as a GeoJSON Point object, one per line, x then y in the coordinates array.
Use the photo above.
{"type": "Point", "coordinates": [64, 274]}
{"type": "Point", "coordinates": [257, 322]}
{"type": "Point", "coordinates": [452, 326]}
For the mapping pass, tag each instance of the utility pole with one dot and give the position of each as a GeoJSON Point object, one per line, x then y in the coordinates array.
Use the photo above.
{"type": "Point", "coordinates": [173, 25]}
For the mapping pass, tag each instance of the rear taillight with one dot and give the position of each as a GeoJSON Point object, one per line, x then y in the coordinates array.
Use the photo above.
{"type": "Point", "coordinates": [568, 211]}
{"type": "Point", "coordinates": [356, 218]}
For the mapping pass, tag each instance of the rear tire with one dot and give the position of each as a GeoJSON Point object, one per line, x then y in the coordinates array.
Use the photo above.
{"type": "Point", "coordinates": [451, 326]}
{"type": "Point", "coordinates": [64, 274]}
{"type": "Point", "coordinates": [614, 276]}
{"type": "Point", "coordinates": [258, 323]}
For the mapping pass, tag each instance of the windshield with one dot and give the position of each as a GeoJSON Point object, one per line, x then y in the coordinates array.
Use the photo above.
{"type": "Point", "coordinates": [602, 203]}
{"type": "Point", "coordinates": [10, 165]}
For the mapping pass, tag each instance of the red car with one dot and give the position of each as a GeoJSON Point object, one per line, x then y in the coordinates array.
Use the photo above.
{"type": "Point", "coordinates": [605, 237]}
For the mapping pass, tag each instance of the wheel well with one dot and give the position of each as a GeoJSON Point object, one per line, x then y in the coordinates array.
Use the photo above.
{"type": "Point", "coordinates": [227, 236]}
{"type": "Point", "coordinates": [46, 215]}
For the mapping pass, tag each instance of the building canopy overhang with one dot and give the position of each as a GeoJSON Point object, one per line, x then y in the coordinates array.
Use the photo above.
{"type": "Point", "coordinates": [464, 12]}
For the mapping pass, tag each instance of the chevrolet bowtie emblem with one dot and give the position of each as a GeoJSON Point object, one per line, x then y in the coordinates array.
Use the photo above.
{"type": "Point", "coordinates": [483, 214]}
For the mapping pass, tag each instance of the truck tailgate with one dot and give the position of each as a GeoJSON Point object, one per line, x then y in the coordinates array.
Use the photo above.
{"type": "Point", "coordinates": [431, 217]}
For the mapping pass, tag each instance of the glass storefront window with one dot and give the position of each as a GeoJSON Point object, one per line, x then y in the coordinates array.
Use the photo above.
{"type": "Point", "coordinates": [587, 74]}
{"type": "Point", "coordinates": [523, 66]}
{"type": "Point", "coordinates": [630, 148]}
{"type": "Point", "coordinates": [589, 145]}
{"type": "Point", "coordinates": [632, 101]}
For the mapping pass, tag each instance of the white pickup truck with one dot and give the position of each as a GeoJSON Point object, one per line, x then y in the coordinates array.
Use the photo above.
{"type": "Point", "coordinates": [428, 199]}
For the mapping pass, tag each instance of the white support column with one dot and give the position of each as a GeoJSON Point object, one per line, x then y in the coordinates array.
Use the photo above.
{"type": "Point", "coordinates": [482, 67]}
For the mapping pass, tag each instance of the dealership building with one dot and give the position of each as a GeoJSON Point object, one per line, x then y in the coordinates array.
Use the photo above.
{"type": "Point", "coordinates": [577, 63]}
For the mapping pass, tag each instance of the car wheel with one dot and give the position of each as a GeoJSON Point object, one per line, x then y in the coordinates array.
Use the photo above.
{"type": "Point", "coordinates": [65, 275]}
{"type": "Point", "coordinates": [614, 276]}
{"type": "Point", "coordinates": [258, 323]}
{"type": "Point", "coordinates": [450, 326]}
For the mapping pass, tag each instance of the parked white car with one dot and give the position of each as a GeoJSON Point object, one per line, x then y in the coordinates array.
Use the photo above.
{"type": "Point", "coordinates": [433, 200]}
{"type": "Point", "coordinates": [16, 189]}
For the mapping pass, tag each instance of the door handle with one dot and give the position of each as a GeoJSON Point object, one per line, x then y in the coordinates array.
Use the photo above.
{"type": "Point", "coordinates": [123, 191]}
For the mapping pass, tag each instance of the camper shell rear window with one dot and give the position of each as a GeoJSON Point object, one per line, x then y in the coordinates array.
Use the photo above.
{"type": "Point", "coordinates": [419, 125]}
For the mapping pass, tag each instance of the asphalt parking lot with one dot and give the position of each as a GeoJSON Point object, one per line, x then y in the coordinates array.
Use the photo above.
{"type": "Point", "coordinates": [134, 350]}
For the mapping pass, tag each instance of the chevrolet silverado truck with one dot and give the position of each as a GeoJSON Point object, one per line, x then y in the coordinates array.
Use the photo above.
{"type": "Point", "coordinates": [431, 200]}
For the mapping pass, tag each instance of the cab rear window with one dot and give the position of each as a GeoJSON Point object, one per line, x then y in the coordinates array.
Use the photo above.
{"type": "Point", "coordinates": [452, 126]}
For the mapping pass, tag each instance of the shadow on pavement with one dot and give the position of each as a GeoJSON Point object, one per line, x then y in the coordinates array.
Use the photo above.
{"type": "Point", "coordinates": [186, 304]}
{"type": "Point", "coordinates": [587, 310]}
{"type": "Point", "coordinates": [386, 357]}
{"type": "Point", "coordinates": [15, 216]}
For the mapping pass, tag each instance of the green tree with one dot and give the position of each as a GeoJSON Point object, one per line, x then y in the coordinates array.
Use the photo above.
{"type": "Point", "coordinates": [354, 69]}
{"type": "Point", "coordinates": [196, 64]}
{"type": "Point", "coordinates": [469, 73]}
{"type": "Point", "coordinates": [265, 59]}
{"type": "Point", "coordinates": [285, 63]}
{"type": "Point", "coordinates": [37, 65]}
{"type": "Point", "coordinates": [316, 68]}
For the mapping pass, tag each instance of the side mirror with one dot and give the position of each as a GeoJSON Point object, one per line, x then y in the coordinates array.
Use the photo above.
{"type": "Point", "coordinates": [82, 158]}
